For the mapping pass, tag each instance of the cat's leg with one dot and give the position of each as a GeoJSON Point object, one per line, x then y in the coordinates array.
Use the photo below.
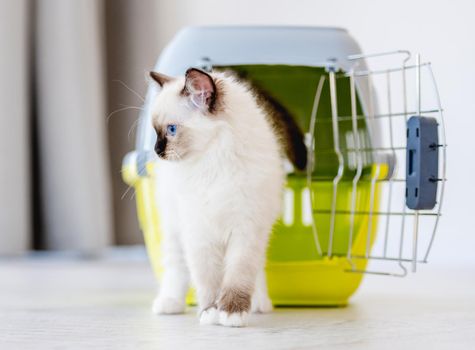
{"type": "Point", "coordinates": [175, 280]}
{"type": "Point", "coordinates": [260, 302]}
{"type": "Point", "coordinates": [245, 255]}
{"type": "Point", "coordinates": [205, 260]}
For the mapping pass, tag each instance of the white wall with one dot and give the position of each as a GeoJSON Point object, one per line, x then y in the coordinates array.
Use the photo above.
{"type": "Point", "coordinates": [442, 31]}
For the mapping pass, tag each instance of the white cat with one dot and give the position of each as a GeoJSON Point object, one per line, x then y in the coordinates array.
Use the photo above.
{"type": "Point", "coordinates": [220, 179]}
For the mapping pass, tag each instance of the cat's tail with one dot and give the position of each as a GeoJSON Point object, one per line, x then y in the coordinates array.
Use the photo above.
{"type": "Point", "coordinates": [287, 130]}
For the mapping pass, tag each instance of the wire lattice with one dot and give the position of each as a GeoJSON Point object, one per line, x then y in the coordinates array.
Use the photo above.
{"type": "Point", "coordinates": [389, 94]}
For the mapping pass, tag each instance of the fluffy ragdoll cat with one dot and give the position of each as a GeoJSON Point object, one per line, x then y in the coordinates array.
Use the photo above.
{"type": "Point", "coordinates": [220, 177]}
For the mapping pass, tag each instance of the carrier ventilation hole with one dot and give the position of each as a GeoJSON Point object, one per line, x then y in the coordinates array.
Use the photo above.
{"type": "Point", "coordinates": [306, 207]}
{"type": "Point", "coordinates": [288, 212]}
{"type": "Point", "coordinates": [411, 161]}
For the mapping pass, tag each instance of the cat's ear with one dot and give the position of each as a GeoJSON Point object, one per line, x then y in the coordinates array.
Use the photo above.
{"type": "Point", "coordinates": [160, 78]}
{"type": "Point", "coordinates": [200, 88]}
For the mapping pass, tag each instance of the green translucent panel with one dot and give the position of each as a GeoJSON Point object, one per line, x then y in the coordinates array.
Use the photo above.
{"type": "Point", "coordinates": [296, 242]}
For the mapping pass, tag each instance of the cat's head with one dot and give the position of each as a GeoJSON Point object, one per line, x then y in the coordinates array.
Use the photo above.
{"type": "Point", "coordinates": [184, 114]}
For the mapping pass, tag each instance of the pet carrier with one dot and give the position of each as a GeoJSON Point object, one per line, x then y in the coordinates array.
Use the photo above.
{"type": "Point", "coordinates": [369, 192]}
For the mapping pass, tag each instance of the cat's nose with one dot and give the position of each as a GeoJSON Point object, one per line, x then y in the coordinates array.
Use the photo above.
{"type": "Point", "coordinates": [160, 146]}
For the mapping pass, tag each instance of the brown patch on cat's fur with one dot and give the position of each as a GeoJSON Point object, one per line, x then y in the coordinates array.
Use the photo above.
{"type": "Point", "coordinates": [234, 300]}
{"type": "Point", "coordinates": [286, 129]}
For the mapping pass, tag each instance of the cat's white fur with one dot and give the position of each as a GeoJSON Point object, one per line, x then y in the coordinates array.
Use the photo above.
{"type": "Point", "coordinates": [219, 202]}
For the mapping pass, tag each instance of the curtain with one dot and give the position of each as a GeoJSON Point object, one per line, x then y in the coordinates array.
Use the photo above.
{"type": "Point", "coordinates": [70, 91]}
{"type": "Point", "coordinates": [132, 50]}
{"type": "Point", "coordinates": [66, 65]}
{"type": "Point", "coordinates": [15, 229]}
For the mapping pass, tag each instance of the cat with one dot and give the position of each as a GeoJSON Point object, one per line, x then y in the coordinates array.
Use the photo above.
{"type": "Point", "coordinates": [220, 176]}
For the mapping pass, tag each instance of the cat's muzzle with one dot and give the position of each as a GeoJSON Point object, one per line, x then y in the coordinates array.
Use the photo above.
{"type": "Point", "coordinates": [160, 146]}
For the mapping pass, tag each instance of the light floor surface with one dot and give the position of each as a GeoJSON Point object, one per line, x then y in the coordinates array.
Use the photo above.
{"type": "Point", "coordinates": [68, 303]}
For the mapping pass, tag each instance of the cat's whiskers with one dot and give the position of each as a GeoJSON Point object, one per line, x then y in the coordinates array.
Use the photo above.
{"type": "Point", "coordinates": [121, 110]}
{"type": "Point", "coordinates": [127, 191]}
{"type": "Point", "coordinates": [129, 88]}
{"type": "Point", "coordinates": [132, 185]}
{"type": "Point", "coordinates": [132, 127]}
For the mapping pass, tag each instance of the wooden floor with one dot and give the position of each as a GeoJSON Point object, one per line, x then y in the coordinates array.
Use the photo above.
{"type": "Point", "coordinates": [63, 303]}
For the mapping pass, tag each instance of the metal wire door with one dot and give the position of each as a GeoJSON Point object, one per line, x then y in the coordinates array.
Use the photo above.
{"type": "Point", "coordinates": [398, 87]}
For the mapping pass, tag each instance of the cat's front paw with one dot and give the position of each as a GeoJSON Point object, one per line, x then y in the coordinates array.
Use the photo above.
{"type": "Point", "coordinates": [168, 306]}
{"type": "Point", "coordinates": [209, 316]}
{"type": "Point", "coordinates": [234, 305]}
{"type": "Point", "coordinates": [235, 319]}
{"type": "Point", "coordinates": [261, 304]}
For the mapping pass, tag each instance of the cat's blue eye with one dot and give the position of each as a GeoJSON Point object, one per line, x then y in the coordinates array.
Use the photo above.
{"type": "Point", "coordinates": [171, 130]}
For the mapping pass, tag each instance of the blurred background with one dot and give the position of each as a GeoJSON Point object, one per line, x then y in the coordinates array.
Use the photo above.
{"type": "Point", "coordinates": [73, 79]}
